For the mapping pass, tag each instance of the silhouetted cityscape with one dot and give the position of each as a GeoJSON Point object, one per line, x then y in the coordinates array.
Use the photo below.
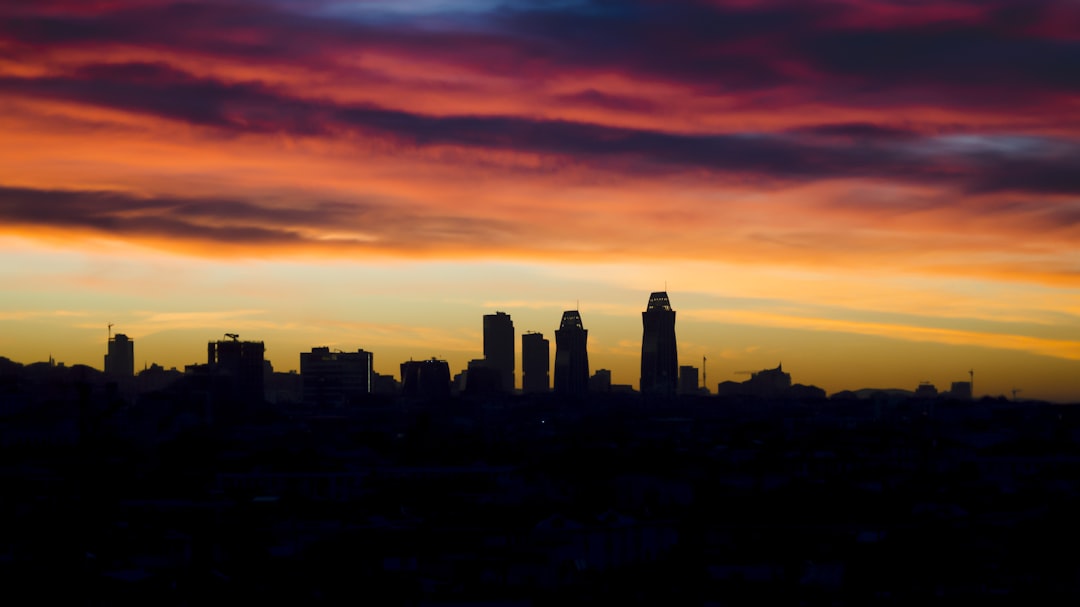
{"type": "Point", "coordinates": [229, 481]}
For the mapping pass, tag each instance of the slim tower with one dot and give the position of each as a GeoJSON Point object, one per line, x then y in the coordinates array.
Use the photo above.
{"type": "Point", "coordinates": [535, 363]}
{"type": "Point", "coordinates": [659, 353]}
{"type": "Point", "coordinates": [571, 355]}
{"type": "Point", "coordinates": [499, 346]}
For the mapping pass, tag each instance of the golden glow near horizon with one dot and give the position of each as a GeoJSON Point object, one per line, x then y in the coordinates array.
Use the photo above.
{"type": "Point", "coordinates": [371, 178]}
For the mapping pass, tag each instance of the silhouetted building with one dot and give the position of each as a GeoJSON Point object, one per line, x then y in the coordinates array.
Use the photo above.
{"type": "Point", "coordinates": [600, 382]}
{"type": "Point", "coordinates": [428, 379]}
{"type": "Point", "coordinates": [688, 380]}
{"type": "Point", "coordinates": [155, 377]}
{"type": "Point", "coordinates": [242, 363]}
{"type": "Point", "coordinates": [659, 353]}
{"type": "Point", "coordinates": [768, 383]}
{"type": "Point", "coordinates": [482, 378]}
{"type": "Point", "coordinates": [499, 347]}
{"type": "Point", "coordinates": [334, 379]}
{"type": "Point", "coordinates": [120, 361]}
{"type": "Point", "coordinates": [926, 390]}
{"type": "Point", "coordinates": [571, 355]}
{"type": "Point", "coordinates": [385, 385]}
{"type": "Point", "coordinates": [535, 363]}
{"type": "Point", "coordinates": [960, 390]}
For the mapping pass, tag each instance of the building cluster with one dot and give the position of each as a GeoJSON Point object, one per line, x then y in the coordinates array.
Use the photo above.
{"type": "Point", "coordinates": [237, 370]}
{"type": "Point", "coordinates": [331, 379]}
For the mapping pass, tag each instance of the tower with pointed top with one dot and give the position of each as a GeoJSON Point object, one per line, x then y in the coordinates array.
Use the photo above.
{"type": "Point", "coordinates": [659, 352]}
{"type": "Point", "coordinates": [571, 355]}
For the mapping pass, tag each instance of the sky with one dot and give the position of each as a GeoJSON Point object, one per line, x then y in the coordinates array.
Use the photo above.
{"type": "Point", "coordinates": [872, 193]}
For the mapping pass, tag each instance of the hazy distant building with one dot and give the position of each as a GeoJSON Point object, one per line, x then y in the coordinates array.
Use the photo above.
{"type": "Point", "coordinates": [659, 353]}
{"type": "Point", "coordinates": [428, 379]}
{"type": "Point", "coordinates": [960, 390]}
{"type": "Point", "coordinates": [926, 390]}
{"type": "Point", "coordinates": [571, 355]}
{"type": "Point", "coordinates": [688, 380]}
{"type": "Point", "coordinates": [600, 382]}
{"type": "Point", "coordinates": [770, 382]}
{"type": "Point", "coordinates": [767, 383]}
{"type": "Point", "coordinates": [335, 379]}
{"type": "Point", "coordinates": [499, 347]}
{"type": "Point", "coordinates": [120, 360]}
{"type": "Point", "coordinates": [535, 363]}
{"type": "Point", "coordinates": [155, 377]}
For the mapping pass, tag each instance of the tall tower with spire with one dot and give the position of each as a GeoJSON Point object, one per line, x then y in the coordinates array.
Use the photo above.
{"type": "Point", "coordinates": [659, 352]}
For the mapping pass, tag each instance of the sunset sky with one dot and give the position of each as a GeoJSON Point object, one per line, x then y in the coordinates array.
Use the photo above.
{"type": "Point", "coordinates": [874, 193]}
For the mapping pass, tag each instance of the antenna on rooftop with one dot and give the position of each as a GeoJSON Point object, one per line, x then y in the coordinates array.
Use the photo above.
{"type": "Point", "coordinates": [110, 331]}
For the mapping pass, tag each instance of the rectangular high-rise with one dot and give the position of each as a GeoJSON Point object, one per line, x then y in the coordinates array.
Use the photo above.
{"type": "Point", "coordinates": [499, 347]}
{"type": "Point", "coordinates": [535, 363]}
{"type": "Point", "coordinates": [120, 361]}
{"type": "Point", "coordinates": [241, 363]}
{"type": "Point", "coordinates": [335, 379]}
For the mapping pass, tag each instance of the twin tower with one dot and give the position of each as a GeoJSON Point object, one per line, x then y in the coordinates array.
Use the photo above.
{"type": "Point", "coordinates": [659, 352]}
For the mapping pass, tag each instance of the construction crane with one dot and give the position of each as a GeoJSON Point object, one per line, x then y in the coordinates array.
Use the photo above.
{"type": "Point", "coordinates": [1014, 392]}
{"type": "Point", "coordinates": [110, 331]}
{"type": "Point", "coordinates": [233, 336]}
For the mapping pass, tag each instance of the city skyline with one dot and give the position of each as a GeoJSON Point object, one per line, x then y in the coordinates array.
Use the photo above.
{"type": "Point", "coordinates": [874, 193]}
{"type": "Point", "coordinates": [569, 367]}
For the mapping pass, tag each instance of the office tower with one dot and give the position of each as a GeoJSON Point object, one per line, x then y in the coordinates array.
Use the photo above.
{"type": "Point", "coordinates": [429, 379]}
{"type": "Point", "coordinates": [499, 347]}
{"type": "Point", "coordinates": [535, 363]}
{"type": "Point", "coordinates": [571, 355]}
{"type": "Point", "coordinates": [241, 363]}
{"type": "Point", "coordinates": [659, 354]}
{"type": "Point", "coordinates": [335, 379]}
{"type": "Point", "coordinates": [120, 361]}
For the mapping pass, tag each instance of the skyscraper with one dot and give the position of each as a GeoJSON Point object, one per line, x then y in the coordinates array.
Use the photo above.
{"type": "Point", "coordinates": [571, 355]}
{"type": "Point", "coordinates": [499, 346]}
{"type": "Point", "coordinates": [120, 361]}
{"type": "Point", "coordinates": [535, 363]}
{"type": "Point", "coordinates": [659, 354]}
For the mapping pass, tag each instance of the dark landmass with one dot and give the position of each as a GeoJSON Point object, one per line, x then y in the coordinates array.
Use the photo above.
{"type": "Point", "coordinates": [186, 494]}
